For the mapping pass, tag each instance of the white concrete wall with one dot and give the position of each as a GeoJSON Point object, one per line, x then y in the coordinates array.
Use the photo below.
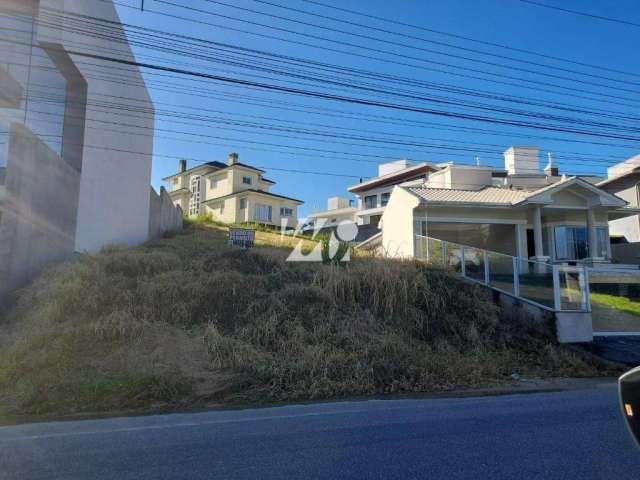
{"type": "Point", "coordinates": [333, 203]}
{"type": "Point", "coordinates": [628, 227]}
{"type": "Point", "coordinates": [397, 225]}
{"type": "Point", "coordinates": [461, 177]}
{"type": "Point", "coordinates": [114, 200]}
{"type": "Point", "coordinates": [391, 167]}
{"type": "Point", "coordinates": [522, 160]}
{"type": "Point", "coordinates": [164, 217]}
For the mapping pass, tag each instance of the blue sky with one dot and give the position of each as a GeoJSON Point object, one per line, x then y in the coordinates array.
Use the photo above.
{"type": "Point", "coordinates": [507, 22]}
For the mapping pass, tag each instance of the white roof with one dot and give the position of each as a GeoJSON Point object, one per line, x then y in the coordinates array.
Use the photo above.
{"type": "Point", "coordinates": [488, 195]}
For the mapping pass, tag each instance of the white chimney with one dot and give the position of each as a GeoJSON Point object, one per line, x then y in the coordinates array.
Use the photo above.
{"type": "Point", "coordinates": [522, 160]}
{"type": "Point", "coordinates": [551, 170]}
{"type": "Point", "coordinates": [232, 159]}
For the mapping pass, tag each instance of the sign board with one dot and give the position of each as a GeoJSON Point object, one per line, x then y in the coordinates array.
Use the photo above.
{"type": "Point", "coordinates": [241, 237]}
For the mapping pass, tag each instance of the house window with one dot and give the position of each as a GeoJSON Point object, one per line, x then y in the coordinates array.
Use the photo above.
{"type": "Point", "coordinates": [243, 203]}
{"type": "Point", "coordinates": [262, 213]}
{"type": "Point", "coordinates": [333, 220]}
{"type": "Point", "coordinates": [213, 183]}
{"type": "Point", "coordinates": [571, 243]}
{"type": "Point", "coordinates": [246, 180]}
{"type": "Point", "coordinates": [286, 212]}
{"type": "Point", "coordinates": [602, 234]}
{"type": "Point", "coordinates": [384, 199]}
{"type": "Point", "coordinates": [194, 201]}
{"type": "Point", "coordinates": [371, 201]}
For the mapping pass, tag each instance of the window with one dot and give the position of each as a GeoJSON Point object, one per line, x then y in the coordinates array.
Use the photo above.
{"type": "Point", "coordinates": [214, 183]}
{"type": "Point", "coordinates": [384, 199]}
{"type": "Point", "coordinates": [371, 201]}
{"type": "Point", "coordinates": [243, 203]}
{"type": "Point", "coordinates": [262, 213]}
{"type": "Point", "coordinates": [602, 233]}
{"type": "Point", "coordinates": [246, 180]}
{"type": "Point", "coordinates": [571, 243]}
{"type": "Point", "coordinates": [286, 212]}
{"type": "Point", "coordinates": [194, 201]}
{"type": "Point", "coordinates": [333, 220]}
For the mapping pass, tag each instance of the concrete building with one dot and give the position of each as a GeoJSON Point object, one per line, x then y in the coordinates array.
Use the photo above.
{"type": "Point", "coordinates": [232, 193]}
{"type": "Point", "coordinates": [70, 179]}
{"type": "Point", "coordinates": [623, 180]}
{"type": "Point", "coordinates": [338, 210]}
{"type": "Point", "coordinates": [371, 198]}
{"type": "Point", "coordinates": [520, 211]}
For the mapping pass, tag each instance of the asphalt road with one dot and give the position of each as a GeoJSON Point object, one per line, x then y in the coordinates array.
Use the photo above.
{"type": "Point", "coordinates": [567, 435]}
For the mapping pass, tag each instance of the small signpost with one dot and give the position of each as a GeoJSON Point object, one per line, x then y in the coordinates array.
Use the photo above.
{"type": "Point", "coordinates": [241, 237]}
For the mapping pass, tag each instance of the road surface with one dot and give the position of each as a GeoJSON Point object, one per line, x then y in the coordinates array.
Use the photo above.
{"type": "Point", "coordinates": [566, 435]}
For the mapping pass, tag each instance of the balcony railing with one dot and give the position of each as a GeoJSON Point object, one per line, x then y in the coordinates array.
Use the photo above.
{"type": "Point", "coordinates": [553, 287]}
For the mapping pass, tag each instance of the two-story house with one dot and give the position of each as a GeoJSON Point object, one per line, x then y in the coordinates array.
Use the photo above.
{"type": "Point", "coordinates": [232, 193]}
{"type": "Point", "coordinates": [373, 195]}
{"type": "Point", "coordinates": [371, 200]}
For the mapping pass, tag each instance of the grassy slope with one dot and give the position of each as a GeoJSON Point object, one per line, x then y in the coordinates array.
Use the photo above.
{"type": "Point", "coordinates": [190, 321]}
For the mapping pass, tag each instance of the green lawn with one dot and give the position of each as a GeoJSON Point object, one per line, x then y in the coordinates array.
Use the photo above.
{"type": "Point", "coordinates": [618, 303]}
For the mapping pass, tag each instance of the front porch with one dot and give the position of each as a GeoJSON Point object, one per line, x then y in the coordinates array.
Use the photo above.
{"type": "Point", "coordinates": [564, 223]}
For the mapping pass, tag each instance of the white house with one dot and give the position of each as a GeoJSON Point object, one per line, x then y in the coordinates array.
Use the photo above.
{"type": "Point", "coordinates": [231, 192]}
{"type": "Point", "coordinates": [519, 211]}
{"type": "Point", "coordinates": [338, 210]}
{"type": "Point", "coordinates": [623, 179]}
{"type": "Point", "coordinates": [372, 197]}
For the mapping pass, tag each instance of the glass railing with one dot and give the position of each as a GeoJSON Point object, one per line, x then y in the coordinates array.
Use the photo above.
{"type": "Point", "coordinates": [615, 300]}
{"type": "Point", "coordinates": [573, 288]}
{"type": "Point", "coordinates": [555, 287]}
{"type": "Point", "coordinates": [474, 266]}
{"type": "Point", "coordinates": [453, 257]}
{"type": "Point", "coordinates": [535, 280]}
{"type": "Point", "coordinates": [501, 271]}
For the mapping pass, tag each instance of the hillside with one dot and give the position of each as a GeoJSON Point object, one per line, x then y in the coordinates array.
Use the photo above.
{"type": "Point", "coordinates": [188, 321]}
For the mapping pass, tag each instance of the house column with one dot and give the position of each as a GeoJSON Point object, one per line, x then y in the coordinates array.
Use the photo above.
{"type": "Point", "coordinates": [537, 233]}
{"type": "Point", "coordinates": [592, 234]}
{"type": "Point", "coordinates": [521, 240]}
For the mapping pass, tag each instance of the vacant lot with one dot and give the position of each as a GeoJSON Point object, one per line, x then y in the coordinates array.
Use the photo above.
{"type": "Point", "coordinates": [189, 321]}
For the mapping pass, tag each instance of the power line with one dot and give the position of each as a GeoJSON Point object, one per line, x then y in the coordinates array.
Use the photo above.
{"type": "Point", "coordinates": [385, 60]}
{"type": "Point", "coordinates": [583, 14]}
{"type": "Point", "coordinates": [444, 44]}
{"type": "Point", "coordinates": [394, 43]}
{"type": "Point", "coordinates": [475, 40]}
{"type": "Point", "coordinates": [395, 79]}
{"type": "Point", "coordinates": [440, 101]}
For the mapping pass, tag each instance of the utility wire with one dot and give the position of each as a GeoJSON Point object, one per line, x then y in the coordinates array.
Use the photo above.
{"type": "Point", "coordinates": [394, 61]}
{"type": "Point", "coordinates": [583, 14]}
{"type": "Point", "coordinates": [444, 44]}
{"type": "Point", "coordinates": [470, 39]}
{"type": "Point", "coordinates": [441, 101]}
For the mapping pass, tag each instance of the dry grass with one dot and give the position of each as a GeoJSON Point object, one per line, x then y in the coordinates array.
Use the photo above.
{"type": "Point", "coordinates": [189, 320]}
